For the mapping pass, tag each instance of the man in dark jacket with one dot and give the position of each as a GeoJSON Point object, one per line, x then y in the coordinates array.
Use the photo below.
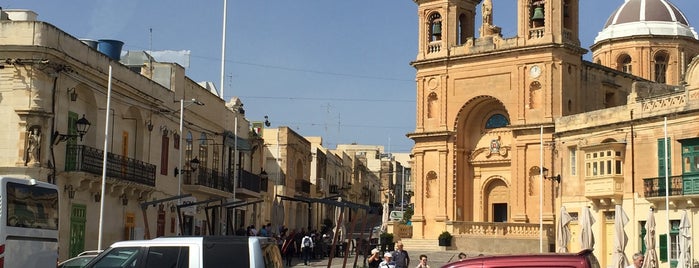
{"type": "Point", "coordinates": [400, 256]}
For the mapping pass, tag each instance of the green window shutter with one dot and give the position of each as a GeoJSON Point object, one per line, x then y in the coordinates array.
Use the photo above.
{"type": "Point", "coordinates": [661, 157]}
{"type": "Point", "coordinates": [663, 247]}
{"type": "Point", "coordinates": [643, 236]}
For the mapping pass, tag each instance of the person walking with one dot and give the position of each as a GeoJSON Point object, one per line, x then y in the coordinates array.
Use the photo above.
{"type": "Point", "coordinates": [400, 256]}
{"type": "Point", "coordinates": [423, 262]}
{"type": "Point", "coordinates": [387, 261]}
{"type": "Point", "coordinates": [374, 259]}
{"type": "Point", "coordinates": [306, 248]}
{"type": "Point", "coordinates": [289, 249]}
{"type": "Point", "coordinates": [637, 260]}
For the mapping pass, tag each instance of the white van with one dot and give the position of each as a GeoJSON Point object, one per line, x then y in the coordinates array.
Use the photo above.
{"type": "Point", "coordinates": [396, 215]}
{"type": "Point", "coordinates": [192, 252]}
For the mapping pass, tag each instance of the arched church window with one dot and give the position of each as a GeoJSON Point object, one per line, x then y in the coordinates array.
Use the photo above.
{"type": "Point", "coordinates": [661, 59]}
{"type": "Point", "coordinates": [435, 27]}
{"type": "Point", "coordinates": [462, 29]}
{"type": "Point", "coordinates": [431, 105]}
{"type": "Point", "coordinates": [496, 121]}
{"type": "Point", "coordinates": [624, 63]}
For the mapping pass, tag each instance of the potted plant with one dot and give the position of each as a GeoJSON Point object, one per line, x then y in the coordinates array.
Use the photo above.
{"type": "Point", "coordinates": [387, 243]}
{"type": "Point", "coordinates": [445, 239]}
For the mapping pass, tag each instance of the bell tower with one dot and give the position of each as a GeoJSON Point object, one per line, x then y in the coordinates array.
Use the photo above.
{"type": "Point", "coordinates": [548, 21]}
{"type": "Point", "coordinates": [444, 24]}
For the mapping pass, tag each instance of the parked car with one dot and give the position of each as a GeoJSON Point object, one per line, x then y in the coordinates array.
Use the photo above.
{"type": "Point", "coordinates": [396, 215]}
{"type": "Point", "coordinates": [79, 261]}
{"type": "Point", "coordinates": [192, 252]}
{"type": "Point", "coordinates": [583, 259]}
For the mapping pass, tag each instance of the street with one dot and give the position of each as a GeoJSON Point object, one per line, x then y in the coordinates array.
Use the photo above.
{"type": "Point", "coordinates": [435, 259]}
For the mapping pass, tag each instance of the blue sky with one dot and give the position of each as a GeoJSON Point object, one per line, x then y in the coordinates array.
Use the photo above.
{"type": "Point", "coordinates": [330, 68]}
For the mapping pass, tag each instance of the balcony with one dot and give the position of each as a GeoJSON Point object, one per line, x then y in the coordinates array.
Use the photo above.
{"type": "Point", "coordinates": [605, 189]}
{"type": "Point", "coordinates": [88, 159]}
{"type": "Point", "coordinates": [303, 186]}
{"type": "Point", "coordinates": [220, 184]}
{"type": "Point", "coordinates": [208, 181]}
{"type": "Point", "coordinates": [248, 184]}
{"type": "Point", "coordinates": [683, 188]}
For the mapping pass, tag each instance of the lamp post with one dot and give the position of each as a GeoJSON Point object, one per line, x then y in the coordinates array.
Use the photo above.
{"type": "Point", "coordinates": [179, 161]}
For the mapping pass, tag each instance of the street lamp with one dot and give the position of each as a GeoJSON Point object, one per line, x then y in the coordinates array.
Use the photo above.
{"type": "Point", "coordinates": [81, 126]}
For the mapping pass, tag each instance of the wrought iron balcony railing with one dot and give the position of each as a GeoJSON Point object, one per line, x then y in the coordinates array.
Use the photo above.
{"type": "Point", "coordinates": [88, 159]}
{"type": "Point", "coordinates": [209, 178]}
{"type": "Point", "coordinates": [654, 187]}
{"type": "Point", "coordinates": [217, 180]}
{"type": "Point", "coordinates": [249, 181]}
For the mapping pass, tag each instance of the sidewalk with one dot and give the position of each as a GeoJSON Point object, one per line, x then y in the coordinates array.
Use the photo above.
{"type": "Point", "coordinates": [435, 260]}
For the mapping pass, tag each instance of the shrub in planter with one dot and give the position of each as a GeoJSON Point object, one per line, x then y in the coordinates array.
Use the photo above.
{"type": "Point", "coordinates": [445, 239]}
{"type": "Point", "coordinates": [387, 243]}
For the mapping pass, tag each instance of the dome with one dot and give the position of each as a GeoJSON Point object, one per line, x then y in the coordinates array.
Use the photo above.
{"type": "Point", "coordinates": [646, 17]}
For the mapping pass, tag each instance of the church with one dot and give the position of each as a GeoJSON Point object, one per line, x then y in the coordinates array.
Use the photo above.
{"type": "Point", "coordinates": [513, 132]}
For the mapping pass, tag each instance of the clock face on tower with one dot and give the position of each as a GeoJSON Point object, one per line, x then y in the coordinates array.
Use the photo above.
{"type": "Point", "coordinates": [535, 71]}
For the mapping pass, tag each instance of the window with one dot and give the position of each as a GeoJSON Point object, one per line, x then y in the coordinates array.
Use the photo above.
{"type": "Point", "coordinates": [164, 151]}
{"type": "Point", "coordinates": [167, 257]}
{"type": "Point", "coordinates": [119, 257]}
{"type": "Point", "coordinates": [573, 151]}
{"type": "Point", "coordinates": [661, 157]}
{"type": "Point", "coordinates": [624, 63]}
{"type": "Point", "coordinates": [606, 162]}
{"type": "Point", "coordinates": [462, 29]}
{"type": "Point", "coordinates": [496, 121]}
{"type": "Point", "coordinates": [188, 148]}
{"type": "Point", "coordinates": [661, 60]}
{"type": "Point", "coordinates": [674, 243]}
{"type": "Point", "coordinates": [203, 150]}
{"type": "Point", "coordinates": [690, 157]}
{"type": "Point", "coordinates": [435, 30]}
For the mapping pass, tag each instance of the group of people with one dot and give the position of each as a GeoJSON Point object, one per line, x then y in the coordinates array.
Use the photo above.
{"type": "Point", "coordinates": [396, 259]}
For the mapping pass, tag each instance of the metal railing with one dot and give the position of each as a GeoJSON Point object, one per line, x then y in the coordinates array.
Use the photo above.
{"type": "Point", "coordinates": [88, 159]}
{"type": "Point", "coordinates": [249, 181]}
{"type": "Point", "coordinates": [655, 187]}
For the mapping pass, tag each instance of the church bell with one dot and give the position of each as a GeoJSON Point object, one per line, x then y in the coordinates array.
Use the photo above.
{"type": "Point", "coordinates": [538, 14]}
{"type": "Point", "coordinates": [437, 28]}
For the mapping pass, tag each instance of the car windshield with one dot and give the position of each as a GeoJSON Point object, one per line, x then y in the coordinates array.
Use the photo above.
{"type": "Point", "coordinates": [77, 262]}
{"type": "Point", "coordinates": [119, 257]}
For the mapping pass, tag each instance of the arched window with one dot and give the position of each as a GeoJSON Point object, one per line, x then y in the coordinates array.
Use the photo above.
{"type": "Point", "coordinates": [624, 63]}
{"type": "Point", "coordinates": [496, 121]}
{"type": "Point", "coordinates": [537, 14]}
{"type": "Point", "coordinates": [661, 59]}
{"type": "Point", "coordinates": [188, 147]}
{"type": "Point", "coordinates": [203, 150]}
{"type": "Point", "coordinates": [462, 29]}
{"type": "Point", "coordinates": [435, 27]}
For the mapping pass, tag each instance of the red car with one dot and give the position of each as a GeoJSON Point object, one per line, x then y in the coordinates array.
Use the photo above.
{"type": "Point", "coordinates": [583, 259]}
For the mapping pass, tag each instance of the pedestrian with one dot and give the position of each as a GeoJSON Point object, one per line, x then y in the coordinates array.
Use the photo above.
{"type": "Point", "coordinates": [387, 261]}
{"type": "Point", "coordinates": [306, 248]}
{"type": "Point", "coordinates": [374, 259]}
{"type": "Point", "coordinates": [400, 256]}
{"type": "Point", "coordinates": [289, 249]}
{"type": "Point", "coordinates": [637, 260]}
{"type": "Point", "coordinates": [423, 262]}
{"type": "Point", "coordinates": [263, 230]}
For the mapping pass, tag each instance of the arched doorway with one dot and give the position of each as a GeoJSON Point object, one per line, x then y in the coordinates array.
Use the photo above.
{"type": "Point", "coordinates": [496, 199]}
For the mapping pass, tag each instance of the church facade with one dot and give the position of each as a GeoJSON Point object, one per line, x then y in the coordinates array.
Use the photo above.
{"type": "Point", "coordinates": [496, 117]}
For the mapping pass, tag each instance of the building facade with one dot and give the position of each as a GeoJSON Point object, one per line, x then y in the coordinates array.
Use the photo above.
{"type": "Point", "coordinates": [489, 108]}
{"type": "Point", "coordinates": [53, 84]}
